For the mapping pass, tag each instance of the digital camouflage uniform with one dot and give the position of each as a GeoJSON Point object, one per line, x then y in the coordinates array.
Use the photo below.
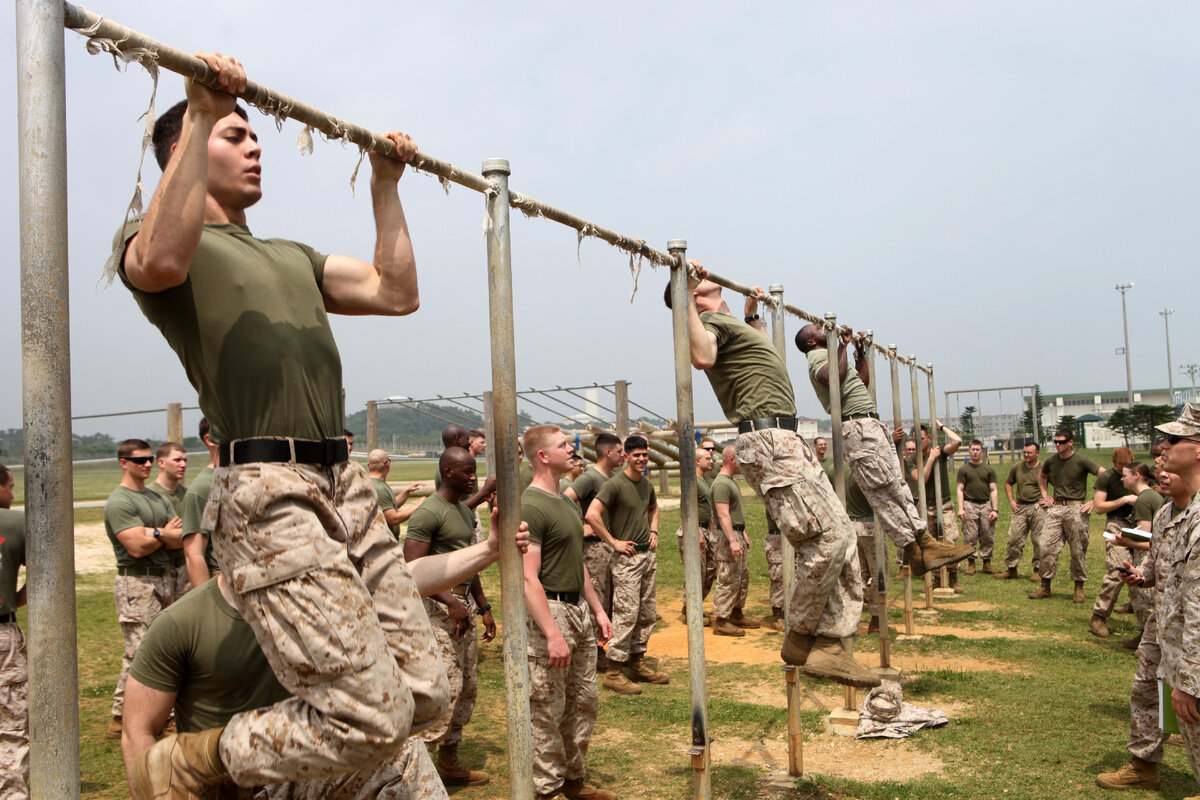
{"type": "Point", "coordinates": [1027, 517]}
{"type": "Point", "coordinates": [871, 454]}
{"type": "Point", "coordinates": [733, 572]}
{"type": "Point", "coordinates": [1114, 555]}
{"type": "Point", "coordinates": [708, 560]}
{"type": "Point", "coordinates": [597, 555]}
{"type": "Point", "coordinates": [14, 667]}
{"type": "Point", "coordinates": [563, 701]}
{"type": "Point", "coordinates": [979, 530]}
{"type": "Point", "coordinates": [180, 580]}
{"type": "Point", "coordinates": [773, 547]}
{"type": "Point", "coordinates": [1066, 523]}
{"type": "Point", "coordinates": [1179, 620]}
{"type": "Point", "coordinates": [634, 576]}
{"type": "Point", "coordinates": [861, 517]}
{"type": "Point", "coordinates": [751, 382]}
{"type": "Point", "coordinates": [313, 568]}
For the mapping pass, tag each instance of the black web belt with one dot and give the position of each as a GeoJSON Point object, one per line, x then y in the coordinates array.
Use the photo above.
{"type": "Point", "coordinates": [323, 453]}
{"type": "Point", "coordinates": [747, 425]}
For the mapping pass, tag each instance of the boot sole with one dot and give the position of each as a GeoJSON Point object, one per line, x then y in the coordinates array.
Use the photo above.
{"type": "Point", "coordinates": [938, 563]}
{"type": "Point", "coordinates": [739, 633]}
{"type": "Point", "coordinates": [1138, 785]}
{"type": "Point", "coordinates": [622, 690]}
{"type": "Point", "coordinates": [839, 677]}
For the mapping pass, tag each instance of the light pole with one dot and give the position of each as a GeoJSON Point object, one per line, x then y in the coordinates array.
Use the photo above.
{"type": "Point", "coordinates": [1123, 288]}
{"type": "Point", "coordinates": [1166, 315]}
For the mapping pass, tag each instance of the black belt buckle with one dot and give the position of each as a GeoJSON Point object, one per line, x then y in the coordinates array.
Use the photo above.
{"type": "Point", "coordinates": [740, 528]}
{"type": "Point", "coordinates": [641, 548]}
{"type": "Point", "coordinates": [748, 425]}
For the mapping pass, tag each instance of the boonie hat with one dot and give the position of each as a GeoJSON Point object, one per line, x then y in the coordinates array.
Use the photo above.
{"type": "Point", "coordinates": [1188, 423]}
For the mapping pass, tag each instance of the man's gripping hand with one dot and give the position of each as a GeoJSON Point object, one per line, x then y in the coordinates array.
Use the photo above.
{"type": "Point", "coordinates": [232, 78]}
{"type": "Point", "coordinates": [390, 169]}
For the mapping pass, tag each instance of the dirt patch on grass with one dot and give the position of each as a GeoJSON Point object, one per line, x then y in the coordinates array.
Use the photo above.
{"type": "Point", "coordinates": [756, 647]}
{"type": "Point", "coordinates": [93, 550]}
{"type": "Point", "coordinates": [865, 760]}
{"type": "Point", "coordinates": [974, 633]}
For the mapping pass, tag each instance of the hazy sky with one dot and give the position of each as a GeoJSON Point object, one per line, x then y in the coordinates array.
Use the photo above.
{"type": "Point", "coordinates": [968, 179]}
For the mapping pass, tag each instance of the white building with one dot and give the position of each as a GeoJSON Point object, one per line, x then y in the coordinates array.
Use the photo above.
{"type": "Point", "coordinates": [1092, 409]}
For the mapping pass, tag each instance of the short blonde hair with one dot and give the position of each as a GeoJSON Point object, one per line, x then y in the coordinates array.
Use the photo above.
{"type": "Point", "coordinates": [538, 438]}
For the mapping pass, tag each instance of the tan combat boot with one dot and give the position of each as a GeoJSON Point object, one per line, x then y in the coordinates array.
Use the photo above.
{"type": "Point", "coordinates": [180, 767]}
{"type": "Point", "coordinates": [455, 774]}
{"type": "Point", "coordinates": [114, 729]}
{"type": "Point", "coordinates": [577, 789]}
{"type": "Point", "coordinates": [829, 660]}
{"type": "Point", "coordinates": [1098, 626]}
{"type": "Point", "coordinates": [1042, 593]}
{"type": "Point", "coordinates": [955, 586]}
{"type": "Point", "coordinates": [1009, 574]}
{"type": "Point", "coordinates": [970, 566]}
{"type": "Point", "coordinates": [776, 621]}
{"type": "Point", "coordinates": [615, 680]}
{"type": "Point", "coordinates": [930, 554]}
{"type": "Point", "coordinates": [1133, 642]}
{"type": "Point", "coordinates": [1078, 597]}
{"type": "Point", "coordinates": [638, 671]}
{"type": "Point", "coordinates": [987, 567]}
{"type": "Point", "coordinates": [742, 621]}
{"type": "Point", "coordinates": [723, 627]}
{"type": "Point", "coordinates": [1137, 774]}
{"type": "Point", "coordinates": [796, 648]}
{"type": "Point", "coordinates": [1035, 576]}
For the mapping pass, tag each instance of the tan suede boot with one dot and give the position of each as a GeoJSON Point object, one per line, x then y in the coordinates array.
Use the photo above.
{"type": "Point", "coordinates": [1042, 593]}
{"type": "Point", "coordinates": [776, 621]}
{"type": "Point", "coordinates": [796, 648]}
{"type": "Point", "coordinates": [577, 789]}
{"type": "Point", "coordinates": [828, 659]}
{"type": "Point", "coordinates": [1009, 574]}
{"type": "Point", "coordinates": [114, 729]}
{"type": "Point", "coordinates": [1098, 626]}
{"type": "Point", "coordinates": [455, 774]}
{"type": "Point", "coordinates": [933, 554]}
{"type": "Point", "coordinates": [1137, 774]}
{"type": "Point", "coordinates": [180, 767]}
{"type": "Point", "coordinates": [723, 627]}
{"type": "Point", "coordinates": [742, 621]}
{"type": "Point", "coordinates": [1078, 597]}
{"type": "Point", "coordinates": [638, 671]}
{"type": "Point", "coordinates": [987, 567]}
{"type": "Point", "coordinates": [970, 566]}
{"type": "Point", "coordinates": [615, 680]}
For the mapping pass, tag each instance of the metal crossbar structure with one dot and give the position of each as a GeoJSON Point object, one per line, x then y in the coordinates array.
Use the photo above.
{"type": "Point", "coordinates": [46, 387]}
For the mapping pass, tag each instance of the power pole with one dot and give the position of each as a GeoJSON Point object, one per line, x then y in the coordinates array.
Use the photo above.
{"type": "Point", "coordinates": [1166, 314]}
{"type": "Point", "coordinates": [1123, 288]}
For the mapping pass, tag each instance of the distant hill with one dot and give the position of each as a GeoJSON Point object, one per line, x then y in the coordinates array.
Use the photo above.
{"type": "Point", "coordinates": [409, 430]}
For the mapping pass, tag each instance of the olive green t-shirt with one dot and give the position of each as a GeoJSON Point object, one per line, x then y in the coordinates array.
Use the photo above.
{"type": "Point", "coordinates": [1024, 481]}
{"type": "Point", "coordinates": [555, 526]}
{"type": "Point", "coordinates": [703, 502]}
{"type": "Point", "coordinates": [857, 505]}
{"type": "Point", "coordinates": [1147, 505]}
{"type": "Point", "coordinates": [12, 556]}
{"type": "Point", "coordinates": [1113, 487]}
{"type": "Point", "coordinates": [939, 471]}
{"type": "Point", "coordinates": [976, 480]}
{"type": "Point", "coordinates": [855, 397]}
{"type": "Point", "coordinates": [127, 509]}
{"type": "Point", "coordinates": [250, 328]}
{"type": "Point", "coordinates": [587, 485]}
{"type": "Point", "coordinates": [387, 501]}
{"type": "Point", "coordinates": [726, 491]}
{"type": "Point", "coordinates": [627, 502]}
{"type": "Point", "coordinates": [1068, 476]}
{"type": "Point", "coordinates": [446, 527]}
{"type": "Point", "coordinates": [201, 648]}
{"type": "Point", "coordinates": [175, 499]}
{"type": "Point", "coordinates": [193, 512]}
{"type": "Point", "coordinates": [749, 378]}
{"type": "Point", "coordinates": [525, 475]}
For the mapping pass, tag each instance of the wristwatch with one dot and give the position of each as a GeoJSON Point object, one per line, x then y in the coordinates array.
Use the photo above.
{"type": "Point", "coordinates": [157, 534]}
{"type": "Point", "coordinates": [752, 318]}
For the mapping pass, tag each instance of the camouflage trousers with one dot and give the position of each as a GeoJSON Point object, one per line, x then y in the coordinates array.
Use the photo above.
{"type": "Point", "coordinates": [409, 776]}
{"type": "Point", "coordinates": [733, 574]}
{"type": "Point", "coordinates": [180, 581]}
{"type": "Point", "coordinates": [138, 598]}
{"type": "Point", "coordinates": [784, 472]}
{"type": "Point", "coordinates": [460, 660]}
{"type": "Point", "coordinates": [864, 531]}
{"type": "Point", "coordinates": [773, 547]}
{"type": "Point", "coordinates": [634, 607]}
{"type": "Point", "coordinates": [322, 582]}
{"type": "Point", "coordinates": [14, 713]}
{"type": "Point", "coordinates": [1027, 518]}
{"type": "Point", "coordinates": [1111, 583]}
{"type": "Point", "coordinates": [563, 700]}
{"type": "Point", "coordinates": [876, 468]}
{"type": "Point", "coordinates": [1065, 525]}
{"type": "Point", "coordinates": [708, 563]}
{"type": "Point", "coordinates": [1146, 739]}
{"type": "Point", "coordinates": [597, 557]}
{"type": "Point", "coordinates": [949, 532]}
{"type": "Point", "coordinates": [979, 530]}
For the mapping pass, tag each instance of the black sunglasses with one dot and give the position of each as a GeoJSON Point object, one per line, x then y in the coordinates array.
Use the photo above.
{"type": "Point", "coordinates": [1061, 441]}
{"type": "Point", "coordinates": [139, 459]}
{"type": "Point", "coordinates": [1173, 438]}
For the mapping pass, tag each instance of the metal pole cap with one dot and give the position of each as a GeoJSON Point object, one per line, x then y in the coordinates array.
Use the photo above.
{"type": "Point", "coordinates": [868, 332]}
{"type": "Point", "coordinates": [894, 348]}
{"type": "Point", "coordinates": [676, 244]}
{"type": "Point", "coordinates": [496, 165]}
{"type": "Point", "coordinates": [775, 288]}
{"type": "Point", "coordinates": [830, 316]}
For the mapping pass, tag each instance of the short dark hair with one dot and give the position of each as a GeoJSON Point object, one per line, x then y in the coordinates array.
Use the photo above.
{"type": "Point", "coordinates": [976, 441]}
{"type": "Point", "coordinates": [166, 448]}
{"type": "Point", "coordinates": [636, 442]}
{"type": "Point", "coordinates": [606, 442]}
{"type": "Point", "coordinates": [205, 428]}
{"type": "Point", "coordinates": [667, 295]}
{"type": "Point", "coordinates": [128, 447]}
{"type": "Point", "coordinates": [1034, 445]}
{"type": "Point", "coordinates": [168, 126]}
{"type": "Point", "coordinates": [347, 432]}
{"type": "Point", "coordinates": [1141, 469]}
{"type": "Point", "coordinates": [5, 474]}
{"type": "Point", "coordinates": [1066, 433]}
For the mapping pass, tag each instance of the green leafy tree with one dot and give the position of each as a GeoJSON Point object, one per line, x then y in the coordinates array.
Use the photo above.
{"type": "Point", "coordinates": [1124, 422]}
{"type": "Point", "coordinates": [1027, 417]}
{"type": "Point", "coordinates": [1138, 421]}
{"type": "Point", "coordinates": [966, 422]}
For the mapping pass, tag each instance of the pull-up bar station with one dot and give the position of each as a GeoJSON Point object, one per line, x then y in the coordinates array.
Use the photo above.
{"type": "Point", "coordinates": [46, 391]}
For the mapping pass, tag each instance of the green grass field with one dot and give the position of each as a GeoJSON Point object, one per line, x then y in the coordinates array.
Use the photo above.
{"type": "Point", "coordinates": [1038, 706]}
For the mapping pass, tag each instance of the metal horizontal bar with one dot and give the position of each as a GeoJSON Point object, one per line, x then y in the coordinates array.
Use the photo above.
{"type": "Point", "coordinates": [134, 413]}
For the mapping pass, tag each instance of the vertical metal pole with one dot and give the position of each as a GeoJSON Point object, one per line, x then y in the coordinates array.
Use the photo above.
{"type": "Point", "coordinates": [869, 336]}
{"type": "Point", "coordinates": [881, 567]}
{"type": "Point", "coordinates": [503, 446]}
{"type": "Point", "coordinates": [788, 552]}
{"type": "Point", "coordinates": [689, 520]}
{"type": "Point", "coordinates": [943, 463]}
{"type": "Point", "coordinates": [922, 500]}
{"type": "Point", "coordinates": [489, 430]}
{"type": "Point", "coordinates": [1166, 315]}
{"type": "Point", "coordinates": [1035, 413]}
{"type": "Point", "coordinates": [46, 401]}
{"type": "Point", "coordinates": [372, 425]}
{"type": "Point", "coordinates": [622, 400]}
{"type": "Point", "coordinates": [175, 422]}
{"type": "Point", "coordinates": [898, 419]}
{"type": "Point", "coordinates": [1123, 288]}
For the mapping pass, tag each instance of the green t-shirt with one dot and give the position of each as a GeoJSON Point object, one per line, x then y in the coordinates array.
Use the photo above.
{"type": "Point", "coordinates": [175, 499]}
{"type": "Point", "coordinates": [976, 480]}
{"type": "Point", "coordinates": [1147, 505]}
{"type": "Point", "coordinates": [201, 648]}
{"type": "Point", "coordinates": [830, 472]}
{"type": "Point", "coordinates": [726, 491]}
{"type": "Point", "coordinates": [250, 328]}
{"type": "Point", "coordinates": [939, 471]}
{"type": "Point", "coordinates": [1024, 481]}
{"type": "Point", "coordinates": [587, 485]}
{"type": "Point", "coordinates": [555, 526]}
{"type": "Point", "coordinates": [12, 556]}
{"type": "Point", "coordinates": [857, 505]}
{"type": "Point", "coordinates": [193, 512]}
{"type": "Point", "coordinates": [627, 502]}
{"type": "Point", "coordinates": [387, 501]}
{"type": "Point", "coordinates": [446, 527]}
{"type": "Point", "coordinates": [1113, 487]}
{"type": "Point", "coordinates": [525, 475]}
{"type": "Point", "coordinates": [127, 509]}
{"type": "Point", "coordinates": [855, 397]}
{"type": "Point", "coordinates": [704, 507]}
{"type": "Point", "coordinates": [1068, 476]}
{"type": "Point", "coordinates": [749, 378]}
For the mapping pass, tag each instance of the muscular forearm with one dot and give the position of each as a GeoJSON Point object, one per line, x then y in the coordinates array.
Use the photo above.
{"type": "Point", "coordinates": [394, 257]}
{"type": "Point", "coordinates": [194, 545]}
{"type": "Point", "coordinates": [439, 574]}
